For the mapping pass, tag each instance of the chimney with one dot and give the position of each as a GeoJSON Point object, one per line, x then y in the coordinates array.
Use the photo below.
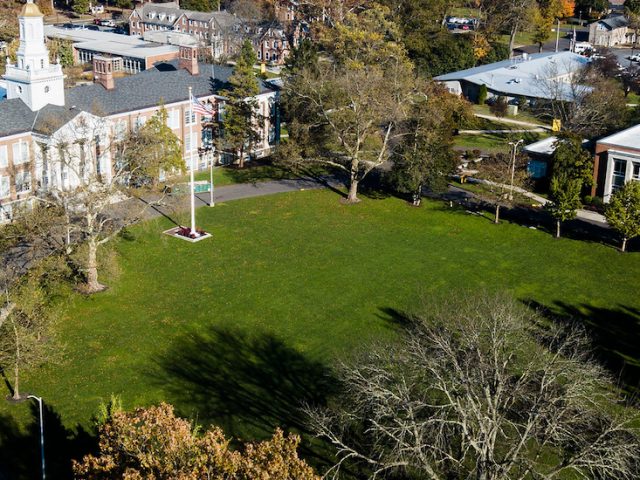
{"type": "Point", "coordinates": [103, 71]}
{"type": "Point", "coordinates": [188, 58]}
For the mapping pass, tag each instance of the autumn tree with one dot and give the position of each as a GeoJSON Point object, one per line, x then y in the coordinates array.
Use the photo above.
{"type": "Point", "coordinates": [153, 443]}
{"type": "Point", "coordinates": [542, 23]}
{"type": "Point", "coordinates": [241, 119]}
{"type": "Point", "coordinates": [480, 388]}
{"type": "Point", "coordinates": [623, 212]}
{"type": "Point", "coordinates": [572, 170]}
{"type": "Point", "coordinates": [153, 150]}
{"type": "Point", "coordinates": [498, 172]}
{"type": "Point", "coordinates": [347, 110]}
{"type": "Point", "coordinates": [80, 6]}
{"type": "Point", "coordinates": [424, 157]}
{"type": "Point", "coordinates": [28, 315]}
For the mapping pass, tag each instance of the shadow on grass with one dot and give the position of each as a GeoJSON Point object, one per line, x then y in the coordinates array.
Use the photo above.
{"type": "Point", "coordinates": [20, 448]}
{"type": "Point", "coordinates": [246, 384]}
{"type": "Point", "coordinates": [615, 333]}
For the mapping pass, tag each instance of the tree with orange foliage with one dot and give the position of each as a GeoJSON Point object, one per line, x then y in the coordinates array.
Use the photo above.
{"type": "Point", "coordinates": [568, 8]}
{"type": "Point", "coordinates": [153, 444]}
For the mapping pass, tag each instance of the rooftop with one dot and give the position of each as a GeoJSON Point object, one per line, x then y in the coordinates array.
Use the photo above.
{"type": "Point", "coordinates": [547, 146]}
{"type": "Point", "coordinates": [164, 83]}
{"type": "Point", "coordinates": [629, 138]}
{"type": "Point", "coordinates": [523, 76]}
{"type": "Point", "coordinates": [617, 21]}
{"type": "Point", "coordinates": [112, 43]}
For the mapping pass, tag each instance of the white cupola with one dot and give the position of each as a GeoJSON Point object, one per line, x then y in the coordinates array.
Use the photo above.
{"type": "Point", "coordinates": [33, 79]}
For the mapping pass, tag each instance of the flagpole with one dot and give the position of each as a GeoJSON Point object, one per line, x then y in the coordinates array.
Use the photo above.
{"type": "Point", "coordinates": [211, 203]}
{"type": "Point", "coordinates": [193, 189]}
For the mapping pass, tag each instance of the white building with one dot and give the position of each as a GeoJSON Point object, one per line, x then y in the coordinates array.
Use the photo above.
{"type": "Point", "coordinates": [39, 115]}
{"type": "Point", "coordinates": [617, 161]}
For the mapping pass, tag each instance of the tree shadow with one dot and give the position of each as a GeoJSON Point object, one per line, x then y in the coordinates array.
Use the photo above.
{"type": "Point", "coordinates": [615, 333]}
{"type": "Point", "coordinates": [246, 384]}
{"type": "Point", "coordinates": [20, 447]}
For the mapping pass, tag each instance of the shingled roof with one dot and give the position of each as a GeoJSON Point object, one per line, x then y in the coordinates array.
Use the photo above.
{"type": "Point", "coordinates": [165, 82]}
{"type": "Point", "coordinates": [619, 21]}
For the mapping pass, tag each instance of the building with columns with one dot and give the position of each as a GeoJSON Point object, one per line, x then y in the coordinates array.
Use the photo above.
{"type": "Point", "coordinates": [39, 115]}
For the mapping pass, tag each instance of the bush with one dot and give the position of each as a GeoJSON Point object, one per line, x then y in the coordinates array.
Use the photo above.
{"type": "Point", "coordinates": [482, 94]}
{"type": "Point", "coordinates": [499, 107]}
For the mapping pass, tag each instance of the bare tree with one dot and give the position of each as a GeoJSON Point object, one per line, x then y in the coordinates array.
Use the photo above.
{"type": "Point", "coordinates": [587, 104]}
{"type": "Point", "coordinates": [482, 389]}
{"type": "Point", "coordinates": [347, 110]}
{"type": "Point", "coordinates": [501, 176]}
{"type": "Point", "coordinates": [91, 182]}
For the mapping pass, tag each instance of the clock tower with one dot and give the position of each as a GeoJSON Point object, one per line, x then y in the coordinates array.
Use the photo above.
{"type": "Point", "coordinates": [33, 79]}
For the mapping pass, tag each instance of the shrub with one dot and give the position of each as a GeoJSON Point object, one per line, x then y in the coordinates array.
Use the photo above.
{"type": "Point", "coordinates": [499, 107]}
{"type": "Point", "coordinates": [482, 94]}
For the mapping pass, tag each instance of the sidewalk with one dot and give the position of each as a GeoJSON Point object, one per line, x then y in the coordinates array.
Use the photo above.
{"type": "Point", "coordinates": [514, 122]}
{"type": "Point", "coordinates": [587, 215]}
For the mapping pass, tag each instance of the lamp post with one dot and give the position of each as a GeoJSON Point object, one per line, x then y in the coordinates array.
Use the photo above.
{"type": "Point", "coordinates": [206, 150]}
{"type": "Point", "coordinates": [513, 166]}
{"type": "Point", "coordinates": [39, 400]}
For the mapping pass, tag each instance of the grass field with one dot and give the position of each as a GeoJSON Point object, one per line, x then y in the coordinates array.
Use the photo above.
{"type": "Point", "coordinates": [241, 328]}
{"type": "Point", "coordinates": [494, 142]}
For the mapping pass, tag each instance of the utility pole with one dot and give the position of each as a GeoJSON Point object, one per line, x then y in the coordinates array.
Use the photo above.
{"type": "Point", "coordinates": [557, 35]}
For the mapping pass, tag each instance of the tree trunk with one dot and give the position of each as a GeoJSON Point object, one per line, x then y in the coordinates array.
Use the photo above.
{"type": "Point", "coordinates": [497, 218]}
{"type": "Point", "coordinates": [539, 47]}
{"type": "Point", "coordinates": [512, 39]}
{"type": "Point", "coordinates": [623, 247]}
{"type": "Point", "coordinates": [16, 381]}
{"type": "Point", "coordinates": [352, 197]}
{"type": "Point", "coordinates": [92, 268]}
{"type": "Point", "coordinates": [241, 159]}
{"type": "Point", "coordinates": [557, 228]}
{"type": "Point", "coordinates": [16, 366]}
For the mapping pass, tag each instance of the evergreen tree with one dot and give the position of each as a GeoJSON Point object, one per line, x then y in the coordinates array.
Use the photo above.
{"type": "Point", "coordinates": [623, 212]}
{"type": "Point", "coordinates": [240, 117]}
{"type": "Point", "coordinates": [572, 170]}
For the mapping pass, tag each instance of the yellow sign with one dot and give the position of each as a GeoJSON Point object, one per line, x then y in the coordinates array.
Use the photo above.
{"type": "Point", "coordinates": [263, 68]}
{"type": "Point", "coordinates": [555, 127]}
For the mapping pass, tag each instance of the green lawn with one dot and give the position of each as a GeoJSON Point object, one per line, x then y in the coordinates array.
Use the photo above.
{"type": "Point", "coordinates": [240, 328]}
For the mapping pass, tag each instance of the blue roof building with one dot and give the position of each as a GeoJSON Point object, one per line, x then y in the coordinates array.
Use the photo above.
{"type": "Point", "coordinates": [542, 75]}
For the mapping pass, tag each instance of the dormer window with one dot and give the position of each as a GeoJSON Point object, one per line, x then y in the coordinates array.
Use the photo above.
{"type": "Point", "coordinates": [161, 16]}
{"type": "Point", "coordinates": [171, 18]}
{"type": "Point", "coordinates": [152, 15]}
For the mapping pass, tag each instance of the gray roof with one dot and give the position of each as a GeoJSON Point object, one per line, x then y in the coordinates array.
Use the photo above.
{"type": "Point", "coordinates": [618, 21]}
{"type": "Point", "coordinates": [523, 77]}
{"type": "Point", "coordinates": [629, 138]}
{"type": "Point", "coordinates": [165, 82]}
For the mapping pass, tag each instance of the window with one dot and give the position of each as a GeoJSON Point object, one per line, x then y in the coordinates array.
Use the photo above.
{"type": "Point", "coordinates": [189, 141]}
{"type": "Point", "coordinates": [619, 170]}
{"type": "Point", "coordinates": [5, 187]}
{"type": "Point", "coordinates": [120, 130]}
{"type": "Point", "coordinates": [46, 89]}
{"type": "Point", "coordinates": [220, 111]}
{"type": "Point", "coordinates": [41, 63]}
{"type": "Point", "coordinates": [4, 157]}
{"type": "Point", "coordinates": [20, 152]}
{"type": "Point", "coordinates": [189, 116]}
{"type": "Point", "coordinates": [173, 119]}
{"type": "Point", "coordinates": [635, 172]}
{"type": "Point", "coordinates": [139, 122]}
{"type": "Point", "coordinates": [23, 181]}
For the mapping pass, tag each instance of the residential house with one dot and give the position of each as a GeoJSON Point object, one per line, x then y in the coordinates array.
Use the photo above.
{"type": "Point", "coordinates": [617, 161]}
{"type": "Point", "coordinates": [39, 115]}
{"type": "Point", "coordinates": [611, 31]}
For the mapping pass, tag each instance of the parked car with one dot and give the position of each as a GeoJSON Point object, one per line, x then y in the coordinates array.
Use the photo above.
{"type": "Point", "coordinates": [582, 47]}
{"type": "Point", "coordinates": [108, 22]}
{"type": "Point", "coordinates": [635, 58]}
{"type": "Point", "coordinates": [93, 27]}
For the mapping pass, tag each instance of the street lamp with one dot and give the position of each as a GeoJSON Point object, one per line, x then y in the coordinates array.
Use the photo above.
{"type": "Point", "coordinates": [39, 400]}
{"type": "Point", "coordinates": [513, 166]}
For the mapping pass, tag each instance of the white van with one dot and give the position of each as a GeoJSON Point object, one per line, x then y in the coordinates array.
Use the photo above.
{"type": "Point", "coordinates": [582, 47]}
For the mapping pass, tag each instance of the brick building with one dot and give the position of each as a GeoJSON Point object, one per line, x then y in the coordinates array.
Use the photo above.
{"type": "Point", "coordinates": [617, 161]}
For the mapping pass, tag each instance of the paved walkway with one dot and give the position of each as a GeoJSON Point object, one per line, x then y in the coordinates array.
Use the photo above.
{"type": "Point", "coordinates": [171, 204]}
{"type": "Point", "coordinates": [587, 215]}
{"type": "Point", "coordinates": [480, 132]}
{"type": "Point", "coordinates": [514, 122]}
